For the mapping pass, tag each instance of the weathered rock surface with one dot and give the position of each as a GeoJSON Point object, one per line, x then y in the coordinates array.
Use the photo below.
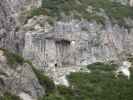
{"type": "Point", "coordinates": [21, 5]}
{"type": "Point", "coordinates": [10, 10]}
{"type": "Point", "coordinates": [19, 80]}
{"type": "Point", "coordinates": [72, 42]}
{"type": "Point", "coordinates": [76, 43]}
{"type": "Point", "coordinates": [7, 26]}
{"type": "Point", "coordinates": [67, 43]}
{"type": "Point", "coordinates": [59, 74]}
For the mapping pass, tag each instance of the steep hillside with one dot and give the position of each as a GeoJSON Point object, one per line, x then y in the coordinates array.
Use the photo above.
{"type": "Point", "coordinates": [10, 12]}
{"type": "Point", "coordinates": [62, 39]}
{"type": "Point", "coordinates": [100, 84]}
{"type": "Point", "coordinates": [98, 10]}
{"type": "Point", "coordinates": [62, 34]}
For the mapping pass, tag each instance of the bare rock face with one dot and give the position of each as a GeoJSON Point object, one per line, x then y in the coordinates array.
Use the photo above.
{"type": "Point", "coordinates": [19, 5]}
{"type": "Point", "coordinates": [131, 3]}
{"type": "Point", "coordinates": [68, 45]}
{"type": "Point", "coordinates": [7, 25]}
{"type": "Point", "coordinates": [20, 8]}
{"type": "Point", "coordinates": [19, 80]}
{"type": "Point", "coordinates": [10, 10]}
{"type": "Point", "coordinates": [75, 43]}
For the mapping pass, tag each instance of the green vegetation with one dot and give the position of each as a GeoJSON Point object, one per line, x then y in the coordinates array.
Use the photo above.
{"type": "Point", "coordinates": [87, 9]}
{"type": "Point", "coordinates": [8, 96]}
{"type": "Point", "coordinates": [37, 12]}
{"type": "Point", "coordinates": [100, 84]}
{"type": "Point", "coordinates": [53, 97]}
{"type": "Point", "coordinates": [45, 81]}
{"type": "Point", "coordinates": [13, 58]}
{"type": "Point", "coordinates": [102, 66]}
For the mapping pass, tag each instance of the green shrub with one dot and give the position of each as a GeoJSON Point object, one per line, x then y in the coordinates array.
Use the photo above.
{"type": "Point", "coordinates": [13, 58]}
{"type": "Point", "coordinates": [66, 92]}
{"type": "Point", "coordinates": [9, 96]}
{"type": "Point", "coordinates": [102, 66]}
{"type": "Point", "coordinates": [45, 81]}
{"type": "Point", "coordinates": [53, 97]}
{"type": "Point", "coordinates": [101, 84]}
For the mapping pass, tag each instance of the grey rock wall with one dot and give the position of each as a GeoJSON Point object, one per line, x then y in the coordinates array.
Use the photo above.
{"type": "Point", "coordinates": [76, 43]}
{"type": "Point", "coordinates": [7, 26]}
{"type": "Point", "coordinates": [18, 79]}
{"type": "Point", "coordinates": [10, 35]}
{"type": "Point", "coordinates": [19, 5]}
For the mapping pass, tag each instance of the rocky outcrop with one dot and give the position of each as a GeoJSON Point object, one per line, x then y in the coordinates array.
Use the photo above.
{"type": "Point", "coordinates": [18, 79]}
{"type": "Point", "coordinates": [131, 3]}
{"type": "Point", "coordinates": [7, 26]}
{"type": "Point", "coordinates": [10, 11]}
{"type": "Point", "coordinates": [66, 43]}
{"type": "Point", "coordinates": [75, 43]}
{"type": "Point", "coordinates": [69, 43]}
{"type": "Point", "coordinates": [21, 5]}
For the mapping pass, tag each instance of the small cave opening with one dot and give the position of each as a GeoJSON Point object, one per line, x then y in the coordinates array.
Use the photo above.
{"type": "Point", "coordinates": [56, 65]}
{"type": "Point", "coordinates": [64, 42]}
{"type": "Point", "coordinates": [63, 52]}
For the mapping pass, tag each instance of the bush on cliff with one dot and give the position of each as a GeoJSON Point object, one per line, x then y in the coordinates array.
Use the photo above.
{"type": "Point", "coordinates": [13, 58]}
{"type": "Point", "coordinates": [45, 81]}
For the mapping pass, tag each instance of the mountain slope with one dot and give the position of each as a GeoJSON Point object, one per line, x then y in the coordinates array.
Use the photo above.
{"type": "Point", "coordinates": [98, 10]}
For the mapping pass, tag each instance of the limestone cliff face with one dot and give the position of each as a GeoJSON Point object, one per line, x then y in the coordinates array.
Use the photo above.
{"type": "Point", "coordinates": [20, 80]}
{"type": "Point", "coordinates": [7, 26]}
{"type": "Point", "coordinates": [69, 41]}
{"type": "Point", "coordinates": [9, 11]}
{"type": "Point", "coordinates": [75, 43]}
{"type": "Point", "coordinates": [68, 45]}
{"type": "Point", "coordinates": [19, 5]}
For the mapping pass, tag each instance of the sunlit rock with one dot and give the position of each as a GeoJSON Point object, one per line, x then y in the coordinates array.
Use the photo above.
{"type": "Point", "coordinates": [124, 69]}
